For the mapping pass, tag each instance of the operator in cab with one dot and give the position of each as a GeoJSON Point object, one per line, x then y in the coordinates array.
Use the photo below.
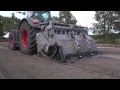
{"type": "Point", "coordinates": [43, 16]}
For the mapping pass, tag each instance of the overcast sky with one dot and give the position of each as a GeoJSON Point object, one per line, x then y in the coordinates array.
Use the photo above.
{"type": "Point", "coordinates": [84, 18]}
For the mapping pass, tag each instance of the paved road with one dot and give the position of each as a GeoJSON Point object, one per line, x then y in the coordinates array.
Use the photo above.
{"type": "Point", "coordinates": [15, 65]}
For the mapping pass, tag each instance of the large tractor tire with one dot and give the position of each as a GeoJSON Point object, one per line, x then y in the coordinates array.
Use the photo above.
{"type": "Point", "coordinates": [12, 40]}
{"type": "Point", "coordinates": [27, 37]}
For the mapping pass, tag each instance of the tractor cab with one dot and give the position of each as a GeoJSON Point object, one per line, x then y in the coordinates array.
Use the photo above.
{"type": "Point", "coordinates": [43, 16]}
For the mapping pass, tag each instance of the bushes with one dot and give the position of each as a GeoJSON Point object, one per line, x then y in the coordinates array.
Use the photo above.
{"type": "Point", "coordinates": [107, 39]}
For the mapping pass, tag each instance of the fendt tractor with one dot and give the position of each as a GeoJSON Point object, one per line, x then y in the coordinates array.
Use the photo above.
{"type": "Point", "coordinates": [41, 34]}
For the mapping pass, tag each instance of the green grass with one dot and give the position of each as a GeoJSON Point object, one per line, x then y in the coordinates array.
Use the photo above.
{"type": "Point", "coordinates": [108, 42]}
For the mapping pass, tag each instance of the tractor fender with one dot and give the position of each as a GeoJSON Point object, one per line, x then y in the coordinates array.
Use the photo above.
{"type": "Point", "coordinates": [29, 20]}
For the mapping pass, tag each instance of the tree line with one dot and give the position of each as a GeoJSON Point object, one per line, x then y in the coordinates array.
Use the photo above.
{"type": "Point", "coordinates": [7, 24]}
{"type": "Point", "coordinates": [107, 25]}
{"type": "Point", "coordinates": [66, 17]}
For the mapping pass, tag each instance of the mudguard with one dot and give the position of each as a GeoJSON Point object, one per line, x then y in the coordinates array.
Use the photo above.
{"type": "Point", "coordinates": [31, 23]}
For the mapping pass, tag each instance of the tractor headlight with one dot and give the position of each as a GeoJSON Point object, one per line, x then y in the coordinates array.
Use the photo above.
{"type": "Point", "coordinates": [35, 20]}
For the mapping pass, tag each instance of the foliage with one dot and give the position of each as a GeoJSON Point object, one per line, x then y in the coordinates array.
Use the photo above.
{"type": "Point", "coordinates": [99, 39]}
{"type": "Point", "coordinates": [9, 23]}
{"type": "Point", "coordinates": [66, 17]}
{"type": "Point", "coordinates": [108, 23]}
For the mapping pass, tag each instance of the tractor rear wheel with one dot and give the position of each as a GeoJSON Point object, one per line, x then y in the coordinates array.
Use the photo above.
{"type": "Point", "coordinates": [27, 37]}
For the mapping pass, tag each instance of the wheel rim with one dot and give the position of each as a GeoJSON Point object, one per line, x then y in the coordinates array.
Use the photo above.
{"type": "Point", "coordinates": [11, 40]}
{"type": "Point", "coordinates": [24, 39]}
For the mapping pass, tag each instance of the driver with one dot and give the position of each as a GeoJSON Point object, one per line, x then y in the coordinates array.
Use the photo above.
{"type": "Point", "coordinates": [43, 16]}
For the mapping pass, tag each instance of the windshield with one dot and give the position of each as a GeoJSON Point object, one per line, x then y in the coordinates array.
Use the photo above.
{"type": "Point", "coordinates": [42, 15]}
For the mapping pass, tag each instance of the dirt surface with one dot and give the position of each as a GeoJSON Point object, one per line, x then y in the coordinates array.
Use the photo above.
{"type": "Point", "coordinates": [15, 65]}
{"type": "Point", "coordinates": [109, 50]}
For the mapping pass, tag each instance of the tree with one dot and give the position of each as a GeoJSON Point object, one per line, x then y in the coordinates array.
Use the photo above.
{"type": "Point", "coordinates": [116, 23]}
{"type": "Point", "coordinates": [9, 23]}
{"type": "Point", "coordinates": [1, 25]}
{"type": "Point", "coordinates": [106, 24]}
{"type": "Point", "coordinates": [56, 18]}
{"type": "Point", "coordinates": [67, 17]}
{"type": "Point", "coordinates": [1, 28]}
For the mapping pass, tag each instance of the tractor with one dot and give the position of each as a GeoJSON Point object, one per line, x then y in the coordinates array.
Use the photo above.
{"type": "Point", "coordinates": [41, 34]}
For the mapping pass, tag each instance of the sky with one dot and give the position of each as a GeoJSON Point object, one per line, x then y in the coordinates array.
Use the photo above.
{"type": "Point", "coordinates": [84, 18]}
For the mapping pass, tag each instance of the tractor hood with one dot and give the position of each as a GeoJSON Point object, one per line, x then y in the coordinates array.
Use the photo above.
{"type": "Point", "coordinates": [60, 26]}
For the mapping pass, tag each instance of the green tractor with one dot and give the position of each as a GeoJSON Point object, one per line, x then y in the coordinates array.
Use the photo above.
{"type": "Point", "coordinates": [41, 34]}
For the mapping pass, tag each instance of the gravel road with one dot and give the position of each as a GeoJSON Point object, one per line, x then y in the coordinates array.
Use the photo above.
{"type": "Point", "coordinates": [15, 65]}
